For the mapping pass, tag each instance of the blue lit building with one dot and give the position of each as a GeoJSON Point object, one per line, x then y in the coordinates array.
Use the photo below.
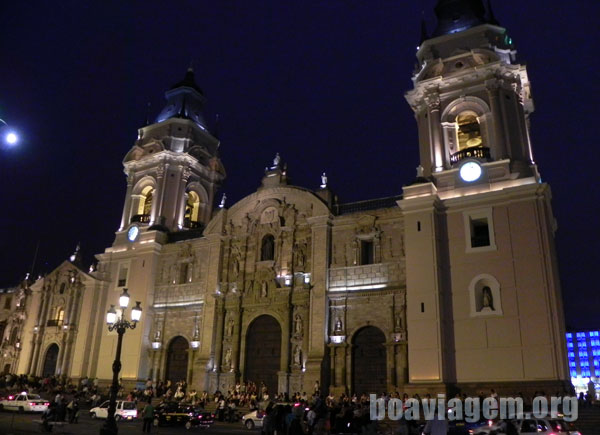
{"type": "Point", "coordinates": [583, 350]}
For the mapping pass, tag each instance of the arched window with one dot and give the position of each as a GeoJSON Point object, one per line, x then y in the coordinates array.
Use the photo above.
{"type": "Point", "coordinates": [145, 205]}
{"type": "Point", "coordinates": [267, 249]}
{"type": "Point", "coordinates": [468, 130]}
{"type": "Point", "coordinates": [192, 209]}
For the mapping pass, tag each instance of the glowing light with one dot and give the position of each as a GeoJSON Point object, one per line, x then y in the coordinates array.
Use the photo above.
{"type": "Point", "coordinates": [11, 138]}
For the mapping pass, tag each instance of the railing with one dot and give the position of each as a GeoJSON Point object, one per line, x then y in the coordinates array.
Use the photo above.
{"type": "Point", "coordinates": [54, 322]}
{"type": "Point", "coordinates": [188, 223]}
{"type": "Point", "coordinates": [473, 153]}
{"type": "Point", "coordinates": [141, 218]}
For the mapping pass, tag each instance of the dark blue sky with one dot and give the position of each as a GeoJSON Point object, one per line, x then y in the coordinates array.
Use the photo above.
{"type": "Point", "coordinates": [322, 82]}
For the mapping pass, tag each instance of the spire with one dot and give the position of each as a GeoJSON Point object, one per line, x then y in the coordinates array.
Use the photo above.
{"type": "Point", "coordinates": [184, 100]}
{"type": "Point", "coordinates": [424, 35]}
{"type": "Point", "coordinates": [492, 19]}
{"type": "Point", "coordinates": [458, 15]}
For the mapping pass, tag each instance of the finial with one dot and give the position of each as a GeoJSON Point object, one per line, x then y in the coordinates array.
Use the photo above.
{"type": "Point", "coordinates": [75, 254]}
{"type": "Point", "coordinates": [323, 181]}
{"type": "Point", "coordinates": [276, 161]}
{"type": "Point", "coordinates": [223, 199]}
{"type": "Point", "coordinates": [420, 171]}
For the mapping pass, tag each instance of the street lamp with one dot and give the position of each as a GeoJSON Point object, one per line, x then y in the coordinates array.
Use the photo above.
{"type": "Point", "coordinates": [120, 324]}
{"type": "Point", "coordinates": [10, 137]}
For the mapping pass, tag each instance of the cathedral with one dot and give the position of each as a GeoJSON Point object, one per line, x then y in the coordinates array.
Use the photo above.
{"type": "Point", "coordinates": [450, 285]}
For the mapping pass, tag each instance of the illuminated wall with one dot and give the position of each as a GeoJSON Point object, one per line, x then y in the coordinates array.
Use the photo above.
{"type": "Point", "coordinates": [583, 350]}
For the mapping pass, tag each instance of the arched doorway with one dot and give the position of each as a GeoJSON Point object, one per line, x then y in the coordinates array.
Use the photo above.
{"type": "Point", "coordinates": [369, 371]}
{"type": "Point", "coordinates": [50, 361]}
{"type": "Point", "coordinates": [177, 360]}
{"type": "Point", "coordinates": [263, 352]}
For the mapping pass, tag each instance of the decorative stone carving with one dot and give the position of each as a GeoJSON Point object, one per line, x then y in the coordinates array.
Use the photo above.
{"type": "Point", "coordinates": [297, 356]}
{"type": "Point", "coordinates": [298, 327]}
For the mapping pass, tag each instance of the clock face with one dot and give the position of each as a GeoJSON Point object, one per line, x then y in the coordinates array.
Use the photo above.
{"type": "Point", "coordinates": [133, 233]}
{"type": "Point", "coordinates": [470, 171]}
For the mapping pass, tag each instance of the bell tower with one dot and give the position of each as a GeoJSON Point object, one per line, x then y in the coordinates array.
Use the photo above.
{"type": "Point", "coordinates": [173, 170]}
{"type": "Point", "coordinates": [483, 293]}
{"type": "Point", "coordinates": [471, 99]}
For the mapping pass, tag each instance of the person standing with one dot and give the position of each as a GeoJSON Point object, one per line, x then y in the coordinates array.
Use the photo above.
{"type": "Point", "coordinates": [148, 416]}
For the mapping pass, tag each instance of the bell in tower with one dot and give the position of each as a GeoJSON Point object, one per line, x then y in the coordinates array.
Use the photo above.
{"type": "Point", "coordinates": [173, 170]}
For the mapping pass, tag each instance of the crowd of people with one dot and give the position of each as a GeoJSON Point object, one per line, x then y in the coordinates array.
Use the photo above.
{"type": "Point", "coordinates": [298, 413]}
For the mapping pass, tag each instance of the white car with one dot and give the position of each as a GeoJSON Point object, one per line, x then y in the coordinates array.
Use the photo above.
{"type": "Point", "coordinates": [125, 410]}
{"type": "Point", "coordinates": [253, 419]}
{"type": "Point", "coordinates": [24, 402]}
{"type": "Point", "coordinates": [538, 426]}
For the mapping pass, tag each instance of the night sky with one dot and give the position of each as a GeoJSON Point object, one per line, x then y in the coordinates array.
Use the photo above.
{"type": "Point", "coordinates": [320, 81]}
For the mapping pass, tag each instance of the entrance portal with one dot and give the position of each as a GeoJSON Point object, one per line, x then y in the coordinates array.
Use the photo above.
{"type": "Point", "coordinates": [50, 361]}
{"type": "Point", "coordinates": [369, 361]}
{"type": "Point", "coordinates": [263, 353]}
{"type": "Point", "coordinates": [177, 360]}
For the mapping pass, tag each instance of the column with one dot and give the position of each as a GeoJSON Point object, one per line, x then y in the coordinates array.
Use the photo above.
{"type": "Point", "coordinates": [317, 326]}
{"type": "Point", "coordinates": [497, 128]}
{"type": "Point", "coordinates": [179, 211]}
{"type": "Point", "coordinates": [435, 131]}
{"type": "Point", "coordinates": [126, 208]}
{"type": "Point", "coordinates": [157, 206]}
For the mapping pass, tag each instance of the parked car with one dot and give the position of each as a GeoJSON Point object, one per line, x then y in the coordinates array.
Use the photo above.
{"type": "Point", "coordinates": [125, 410]}
{"type": "Point", "coordinates": [181, 414]}
{"type": "Point", "coordinates": [253, 419]}
{"type": "Point", "coordinates": [539, 426]}
{"type": "Point", "coordinates": [24, 402]}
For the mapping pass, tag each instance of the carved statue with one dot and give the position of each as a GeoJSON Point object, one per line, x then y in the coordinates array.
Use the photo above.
{"type": "Point", "coordinates": [300, 254]}
{"type": "Point", "coordinates": [230, 326]}
{"type": "Point", "coordinates": [228, 358]}
{"type": "Point", "coordinates": [276, 160]}
{"type": "Point", "coordinates": [338, 325]}
{"type": "Point", "coordinates": [398, 322]}
{"type": "Point", "coordinates": [235, 267]}
{"type": "Point", "coordinates": [264, 289]}
{"type": "Point", "coordinates": [487, 300]}
{"type": "Point", "coordinates": [297, 356]}
{"type": "Point", "coordinates": [323, 181]}
{"type": "Point", "coordinates": [298, 324]}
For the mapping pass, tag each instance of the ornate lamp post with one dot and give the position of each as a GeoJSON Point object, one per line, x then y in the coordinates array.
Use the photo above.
{"type": "Point", "coordinates": [120, 324]}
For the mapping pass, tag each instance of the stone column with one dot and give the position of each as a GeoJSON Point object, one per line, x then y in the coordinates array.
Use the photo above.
{"type": "Point", "coordinates": [321, 237]}
{"type": "Point", "coordinates": [179, 215]}
{"type": "Point", "coordinates": [126, 216]}
{"type": "Point", "coordinates": [435, 131]}
{"type": "Point", "coordinates": [497, 120]}
{"type": "Point", "coordinates": [159, 194]}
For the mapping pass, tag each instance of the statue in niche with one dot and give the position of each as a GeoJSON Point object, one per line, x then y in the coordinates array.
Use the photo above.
{"type": "Point", "coordinates": [300, 250]}
{"type": "Point", "coordinates": [227, 358]}
{"type": "Point", "coordinates": [235, 267]}
{"type": "Point", "coordinates": [297, 356]}
{"type": "Point", "coordinates": [338, 325]}
{"type": "Point", "coordinates": [264, 289]}
{"type": "Point", "coordinates": [487, 300]}
{"type": "Point", "coordinates": [298, 324]}
{"type": "Point", "coordinates": [230, 326]}
{"type": "Point", "coordinates": [398, 322]}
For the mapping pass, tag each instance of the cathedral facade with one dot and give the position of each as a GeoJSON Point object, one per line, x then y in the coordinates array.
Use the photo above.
{"type": "Point", "coordinates": [451, 284]}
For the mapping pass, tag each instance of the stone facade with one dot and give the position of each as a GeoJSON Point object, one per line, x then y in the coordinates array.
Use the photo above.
{"type": "Point", "coordinates": [452, 284]}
